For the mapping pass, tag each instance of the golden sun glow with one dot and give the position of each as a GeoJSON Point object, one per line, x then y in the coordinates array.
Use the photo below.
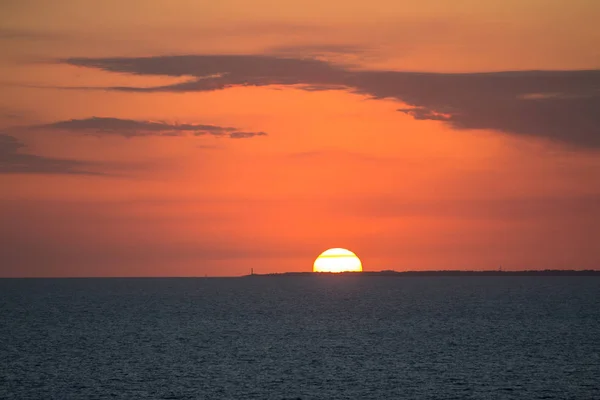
{"type": "Point", "coordinates": [337, 260]}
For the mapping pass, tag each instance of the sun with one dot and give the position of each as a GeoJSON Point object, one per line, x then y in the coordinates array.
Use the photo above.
{"type": "Point", "coordinates": [337, 260]}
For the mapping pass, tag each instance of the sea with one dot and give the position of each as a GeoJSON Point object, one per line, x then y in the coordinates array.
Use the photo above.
{"type": "Point", "coordinates": [301, 337]}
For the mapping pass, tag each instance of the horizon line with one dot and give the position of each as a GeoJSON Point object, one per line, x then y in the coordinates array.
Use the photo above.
{"type": "Point", "coordinates": [312, 273]}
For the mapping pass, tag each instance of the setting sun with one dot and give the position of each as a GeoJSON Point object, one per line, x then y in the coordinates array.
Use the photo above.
{"type": "Point", "coordinates": [337, 260]}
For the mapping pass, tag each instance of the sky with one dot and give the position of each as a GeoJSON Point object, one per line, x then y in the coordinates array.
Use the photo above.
{"type": "Point", "coordinates": [197, 138]}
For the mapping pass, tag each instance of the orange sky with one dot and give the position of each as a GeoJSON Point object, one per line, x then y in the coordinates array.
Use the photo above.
{"type": "Point", "coordinates": [292, 127]}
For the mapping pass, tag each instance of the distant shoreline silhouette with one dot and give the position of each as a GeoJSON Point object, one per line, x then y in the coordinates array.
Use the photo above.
{"type": "Point", "coordinates": [387, 273]}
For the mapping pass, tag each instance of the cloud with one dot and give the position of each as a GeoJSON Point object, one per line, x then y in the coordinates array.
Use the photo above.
{"type": "Point", "coordinates": [136, 128]}
{"type": "Point", "coordinates": [215, 72]}
{"type": "Point", "coordinates": [12, 161]}
{"type": "Point", "coordinates": [21, 34]}
{"type": "Point", "coordinates": [245, 135]}
{"type": "Point", "coordinates": [556, 105]}
{"type": "Point", "coordinates": [262, 28]}
{"type": "Point", "coordinates": [495, 101]}
{"type": "Point", "coordinates": [318, 50]}
{"type": "Point", "coordinates": [422, 113]}
{"type": "Point", "coordinates": [12, 115]}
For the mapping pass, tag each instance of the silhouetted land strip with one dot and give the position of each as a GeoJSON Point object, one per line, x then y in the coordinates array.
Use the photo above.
{"type": "Point", "coordinates": [546, 272]}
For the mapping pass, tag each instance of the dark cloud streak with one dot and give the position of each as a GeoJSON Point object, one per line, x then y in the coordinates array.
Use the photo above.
{"type": "Point", "coordinates": [20, 34]}
{"type": "Point", "coordinates": [14, 162]}
{"type": "Point", "coordinates": [245, 135]}
{"type": "Point", "coordinates": [135, 128]}
{"type": "Point", "coordinates": [559, 105]}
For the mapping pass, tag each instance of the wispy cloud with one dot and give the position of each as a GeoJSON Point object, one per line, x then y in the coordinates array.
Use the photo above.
{"type": "Point", "coordinates": [337, 52]}
{"type": "Point", "coordinates": [245, 135]}
{"type": "Point", "coordinates": [500, 101]}
{"type": "Point", "coordinates": [11, 115]}
{"type": "Point", "coordinates": [214, 72]}
{"type": "Point", "coordinates": [135, 128]}
{"type": "Point", "coordinates": [21, 34]}
{"type": "Point", "coordinates": [13, 161]}
{"type": "Point", "coordinates": [422, 113]}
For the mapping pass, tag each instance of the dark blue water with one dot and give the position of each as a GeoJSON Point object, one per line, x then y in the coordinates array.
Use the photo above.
{"type": "Point", "coordinates": [339, 337]}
